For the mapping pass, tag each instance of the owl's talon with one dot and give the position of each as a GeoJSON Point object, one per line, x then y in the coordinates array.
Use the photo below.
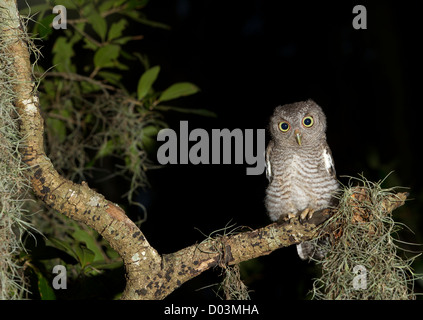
{"type": "Point", "coordinates": [307, 214]}
{"type": "Point", "coordinates": [303, 215]}
{"type": "Point", "coordinates": [286, 218]}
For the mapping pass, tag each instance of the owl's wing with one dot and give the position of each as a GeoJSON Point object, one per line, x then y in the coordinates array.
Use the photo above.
{"type": "Point", "coordinates": [268, 163]}
{"type": "Point", "coordinates": [328, 161]}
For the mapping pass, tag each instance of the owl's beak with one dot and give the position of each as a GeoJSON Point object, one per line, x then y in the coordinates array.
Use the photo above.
{"type": "Point", "coordinates": [298, 136]}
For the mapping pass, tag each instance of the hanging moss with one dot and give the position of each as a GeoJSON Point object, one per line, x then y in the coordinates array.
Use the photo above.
{"type": "Point", "coordinates": [362, 260]}
{"type": "Point", "coordinates": [13, 181]}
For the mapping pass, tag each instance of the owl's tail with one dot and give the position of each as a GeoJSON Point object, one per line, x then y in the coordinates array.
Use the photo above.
{"type": "Point", "coordinates": [314, 249]}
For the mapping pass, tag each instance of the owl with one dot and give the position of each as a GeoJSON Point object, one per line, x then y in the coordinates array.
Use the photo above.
{"type": "Point", "coordinates": [299, 166]}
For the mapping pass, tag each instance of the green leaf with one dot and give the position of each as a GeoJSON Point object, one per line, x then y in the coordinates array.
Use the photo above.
{"type": "Point", "coordinates": [46, 291]}
{"type": "Point", "coordinates": [124, 54]}
{"type": "Point", "coordinates": [45, 28]}
{"type": "Point", "coordinates": [106, 149]}
{"type": "Point", "coordinates": [148, 144]}
{"type": "Point", "coordinates": [50, 88]}
{"type": "Point", "coordinates": [88, 239]}
{"type": "Point", "coordinates": [88, 118]}
{"type": "Point", "coordinates": [69, 4]}
{"type": "Point", "coordinates": [105, 55]}
{"type": "Point", "coordinates": [89, 45]}
{"type": "Point", "coordinates": [116, 29]}
{"type": "Point", "coordinates": [98, 23]}
{"type": "Point", "coordinates": [106, 5]}
{"type": "Point", "coordinates": [123, 40]}
{"type": "Point", "coordinates": [64, 246]}
{"type": "Point", "coordinates": [120, 66]}
{"type": "Point", "coordinates": [111, 77]}
{"type": "Point", "coordinates": [76, 35]}
{"type": "Point", "coordinates": [119, 2]}
{"type": "Point", "coordinates": [85, 255]}
{"type": "Point", "coordinates": [112, 254]}
{"type": "Point", "coordinates": [88, 87]}
{"type": "Point", "coordinates": [63, 52]}
{"type": "Point", "coordinates": [200, 112]}
{"type": "Point", "coordinates": [136, 3]}
{"type": "Point", "coordinates": [146, 81]}
{"type": "Point", "coordinates": [148, 138]}
{"type": "Point", "coordinates": [150, 130]}
{"type": "Point", "coordinates": [135, 15]}
{"type": "Point", "coordinates": [178, 90]}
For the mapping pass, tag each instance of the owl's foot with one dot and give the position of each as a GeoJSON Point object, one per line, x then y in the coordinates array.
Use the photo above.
{"type": "Point", "coordinates": [290, 216]}
{"type": "Point", "coordinates": [307, 214]}
{"type": "Point", "coordinates": [286, 218]}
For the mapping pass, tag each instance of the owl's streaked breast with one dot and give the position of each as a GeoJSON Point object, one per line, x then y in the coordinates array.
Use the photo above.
{"type": "Point", "coordinates": [300, 181]}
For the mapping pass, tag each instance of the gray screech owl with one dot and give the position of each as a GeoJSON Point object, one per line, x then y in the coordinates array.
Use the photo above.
{"type": "Point", "coordinates": [299, 166]}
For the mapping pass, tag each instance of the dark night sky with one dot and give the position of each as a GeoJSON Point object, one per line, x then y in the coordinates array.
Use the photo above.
{"type": "Point", "coordinates": [251, 56]}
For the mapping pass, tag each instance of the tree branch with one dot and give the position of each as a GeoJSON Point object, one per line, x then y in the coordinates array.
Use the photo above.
{"type": "Point", "coordinates": [77, 77]}
{"type": "Point", "coordinates": [149, 275]}
{"type": "Point", "coordinates": [78, 202]}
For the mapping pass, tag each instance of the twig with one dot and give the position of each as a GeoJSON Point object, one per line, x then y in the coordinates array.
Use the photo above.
{"type": "Point", "coordinates": [78, 77]}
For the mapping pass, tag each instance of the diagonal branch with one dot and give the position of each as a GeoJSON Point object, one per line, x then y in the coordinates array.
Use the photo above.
{"type": "Point", "coordinates": [185, 264]}
{"type": "Point", "coordinates": [78, 202]}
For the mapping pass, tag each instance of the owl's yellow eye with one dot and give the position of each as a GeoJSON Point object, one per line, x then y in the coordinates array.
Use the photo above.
{"type": "Point", "coordinates": [308, 121]}
{"type": "Point", "coordinates": [284, 126]}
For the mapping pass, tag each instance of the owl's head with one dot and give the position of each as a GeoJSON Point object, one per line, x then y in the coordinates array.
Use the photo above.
{"type": "Point", "coordinates": [298, 124]}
